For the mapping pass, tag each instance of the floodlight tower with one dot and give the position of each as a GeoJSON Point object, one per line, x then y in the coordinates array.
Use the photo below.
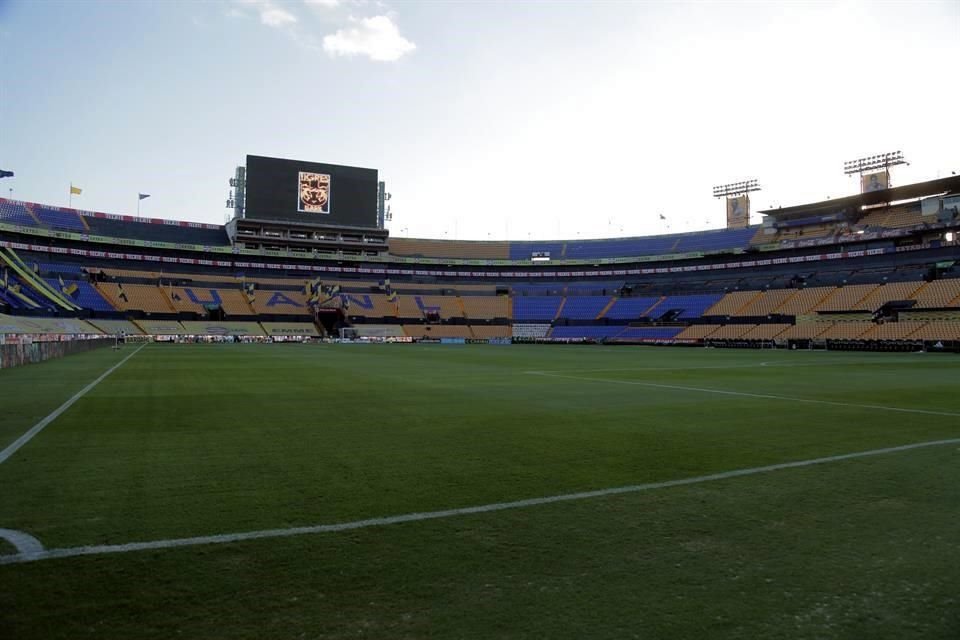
{"type": "Point", "coordinates": [738, 201]}
{"type": "Point", "coordinates": [874, 171]}
{"type": "Point", "coordinates": [238, 193]}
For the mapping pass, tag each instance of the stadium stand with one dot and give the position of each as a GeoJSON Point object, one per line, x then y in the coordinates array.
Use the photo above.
{"type": "Point", "coordinates": [766, 302]}
{"type": "Point", "coordinates": [201, 327]}
{"type": "Point", "coordinates": [533, 308]}
{"type": "Point", "coordinates": [892, 331]}
{"type": "Point", "coordinates": [56, 268]}
{"type": "Point", "coordinates": [83, 294]}
{"type": "Point", "coordinates": [697, 331]}
{"type": "Point", "coordinates": [135, 297]}
{"type": "Point", "coordinates": [20, 295]}
{"type": "Point", "coordinates": [649, 333]}
{"type": "Point", "coordinates": [55, 326]}
{"type": "Point", "coordinates": [938, 294]}
{"type": "Point", "coordinates": [525, 250]}
{"type": "Point", "coordinates": [445, 307]}
{"type": "Point", "coordinates": [845, 298]}
{"type": "Point", "coordinates": [490, 331]}
{"type": "Point", "coordinates": [803, 301]}
{"type": "Point", "coordinates": [630, 308]}
{"type": "Point", "coordinates": [199, 300]}
{"type": "Point", "coordinates": [886, 293]}
{"type": "Point", "coordinates": [938, 331]}
{"type": "Point", "coordinates": [9, 300]}
{"type": "Point", "coordinates": [846, 330]}
{"type": "Point", "coordinates": [656, 245]}
{"type": "Point", "coordinates": [717, 240]}
{"type": "Point", "coordinates": [486, 307]}
{"type": "Point", "coordinates": [892, 217]}
{"type": "Point", "coordinates": [804, 331]}
{"type": "Point", "coordinates": [592, 332]}
{"type": "Point", "coordinates": [765, 331]}
{"type": "Point", "coordinates": [161, 327]}
{"type": "Point", "coordinates": [113, 327]}
{"type": "Point", "coordinates": [411, 247]}
{"type": "Point", "coordinates": [13, 212]}
{"type": "Point", "coordinates": [584, 307]}
{"type": "Point", "coordinates": [689, 306]}
{"type": "Point", "coordinates": [176, 234]}
{"type": "Point", "coordinates": [60, 218]}
{"type": "Point", "coordinates": [806, 232]}
{"type": "Point", "coordinates": [372, 305]}
{"type": "Point", "coordinates": [696, 242]}
{"type": "Point", "coordinates": [731, 303]}
{"type": "Point", "coordinates": [842, 293]}
{"type": "Point", "coordinates": [731, 331]}
{"type": "Point", "coordinates": [192, 299]}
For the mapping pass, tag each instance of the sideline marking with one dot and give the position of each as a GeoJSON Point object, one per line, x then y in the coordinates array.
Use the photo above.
{"type": "Point", "coordinates": [745, 394]}
{"type": "Point", "coordinates": [37, 428]}
{"type": "Point", "coordinates": [766, 364]}
{"type": "Point", "coordinates": [25, 543]}
{"type": "Point", "coordinates": [71, 552]}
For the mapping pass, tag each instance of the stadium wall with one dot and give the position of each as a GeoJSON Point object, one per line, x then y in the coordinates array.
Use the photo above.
{"type": "Point", "coordinates": [16, 355]}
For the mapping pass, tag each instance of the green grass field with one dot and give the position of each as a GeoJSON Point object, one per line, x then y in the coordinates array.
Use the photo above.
{"type": "Point", "coordinates": [186, 441]}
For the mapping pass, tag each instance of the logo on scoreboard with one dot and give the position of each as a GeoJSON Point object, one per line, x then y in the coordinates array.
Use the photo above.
{"type": "Point", "coordinates": [314, 193]}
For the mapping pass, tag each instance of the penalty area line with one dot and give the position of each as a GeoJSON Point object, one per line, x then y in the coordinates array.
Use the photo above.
{"type": "Point", "coordinates": [71, 552]}
{"type": "Point", "coordinates": [746, 394]}
{"type": "Point", "coordinates": [37, 428]}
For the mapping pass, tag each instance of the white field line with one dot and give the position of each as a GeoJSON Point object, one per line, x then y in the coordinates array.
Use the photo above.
{"type": "Point", "coordinates": [746, 394]}
{"type": "Point", "coordinates": [71, 552]}
{"type": "Point", "coordinates": [764, 365]}
{"type": "Point", "coordinates": [37, 428]}
{"type": "Point", "coordinates": [24, 542]}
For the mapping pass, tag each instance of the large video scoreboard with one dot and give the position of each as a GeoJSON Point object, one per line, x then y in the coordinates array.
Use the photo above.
{"type": "Point", "coordinates": [299, 191]}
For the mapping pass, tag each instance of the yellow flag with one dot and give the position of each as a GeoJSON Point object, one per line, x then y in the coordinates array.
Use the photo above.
{"type": "Point", "coordinates": [75, 191]}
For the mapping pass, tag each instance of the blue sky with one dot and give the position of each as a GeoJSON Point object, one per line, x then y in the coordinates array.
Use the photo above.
{"type": "Point", "coordinates": [487, 120]}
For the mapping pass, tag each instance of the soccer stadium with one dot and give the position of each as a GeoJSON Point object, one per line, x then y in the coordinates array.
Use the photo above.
{"type": "Point", "coordinates": [306, 423]}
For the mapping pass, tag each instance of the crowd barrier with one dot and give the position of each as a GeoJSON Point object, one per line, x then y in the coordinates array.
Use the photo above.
{"type": "Point", "coordinates": [15, 355]}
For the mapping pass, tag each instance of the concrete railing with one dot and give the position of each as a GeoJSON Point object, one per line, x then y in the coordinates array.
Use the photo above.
{"type": "Point", "coordinates": [15, 355]}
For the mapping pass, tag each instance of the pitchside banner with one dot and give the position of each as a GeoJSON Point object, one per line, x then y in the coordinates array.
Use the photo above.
{"type": "Point", "coordinates": [738, 212]}
{"type": "Point", "coordinates": [874, 181]}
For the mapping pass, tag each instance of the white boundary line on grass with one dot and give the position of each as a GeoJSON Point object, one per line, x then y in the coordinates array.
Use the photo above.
{"type": "Point", "coordinates": [37, 428]}
{"type": "Point", "coordinates": [747, 394]}
{"type": "Point", "coordinates": [71, 552]}
{"type": "Point", "coordinates": [25, 543]}
{"type": "Point", "coordinates": [760, 365]}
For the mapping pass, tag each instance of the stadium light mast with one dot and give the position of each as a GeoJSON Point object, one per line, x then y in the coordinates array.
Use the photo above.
{"type": "Point", "coordinates": [874, 171]}
{"type": "Point", "coordinates": [237, 199]}
{"type": "Point", "coordinates": [737, 195]}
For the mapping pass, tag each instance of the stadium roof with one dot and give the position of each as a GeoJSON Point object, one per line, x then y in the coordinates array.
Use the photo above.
{"type": "Point", "coordinates": [906, 192]}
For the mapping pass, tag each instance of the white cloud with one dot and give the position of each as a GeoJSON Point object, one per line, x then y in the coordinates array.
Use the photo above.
{"type": "Point", "coordinates": [274, 16]}
{"type": "Point", "coordinates": [377, 38]}
{"type": "Point", "coordinates": [323, 4]}
{"type": "Point", "coordinates": [270, 14]}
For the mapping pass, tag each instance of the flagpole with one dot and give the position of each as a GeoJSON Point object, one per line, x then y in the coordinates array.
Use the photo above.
{"type": "Point", "coordinates": [138, 204]}
{"type": "Point", "coordinates": [70, 201]}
